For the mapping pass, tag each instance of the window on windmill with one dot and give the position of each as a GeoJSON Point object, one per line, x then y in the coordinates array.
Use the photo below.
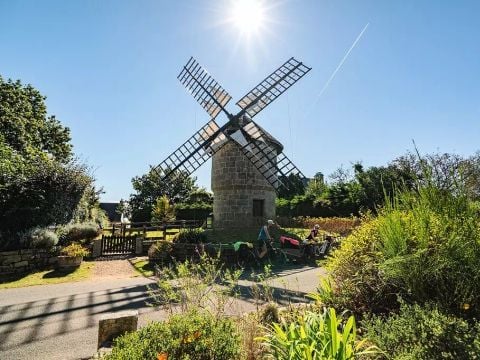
{"type": "Point", "coordinates": [258, 207]}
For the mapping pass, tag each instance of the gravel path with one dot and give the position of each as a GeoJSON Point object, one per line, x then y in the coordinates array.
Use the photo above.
{"type": "Point", "coordinates": [114, 269]}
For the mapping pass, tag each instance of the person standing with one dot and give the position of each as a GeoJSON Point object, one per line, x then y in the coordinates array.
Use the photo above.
{"type": "Point", "coordinates": [264, 237]}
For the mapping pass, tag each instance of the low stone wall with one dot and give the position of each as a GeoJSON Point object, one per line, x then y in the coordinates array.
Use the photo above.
{"type": "Point", "coordinates": [25, 260]}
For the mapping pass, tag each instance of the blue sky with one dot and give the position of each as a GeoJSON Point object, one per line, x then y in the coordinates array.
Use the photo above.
{"type": "Point", "coordinates": [109, 71]}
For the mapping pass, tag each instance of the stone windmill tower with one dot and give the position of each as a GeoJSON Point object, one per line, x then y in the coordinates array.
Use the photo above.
{"type": "Point", "coordinates": [248, 164]}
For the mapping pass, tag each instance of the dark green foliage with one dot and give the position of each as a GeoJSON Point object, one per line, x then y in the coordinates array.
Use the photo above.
{"type": "Point", "coordinates": [353, 192]}
{"type": "Point", "coordinates": [83, 233]}
{"type": "Point", "coordinates": [189, 336]}
{"type": "Point", "coordinates": [88, 209]}
{"type": "Point", "coordinates": [190, 236]}
{"type": "Point", "coordinates": [25, 126]}
{"type": "Point", "coordinates": [296, 186]}
{"type": "Point", "coordinates": [39, 183]}
{"type": "Point", "coordinates": [39, 238]}
{"type": "Point", "coordinates": [424, 333]}
{"type": "Point", "coordinates": [39, 192]}
{"type": "Point", "coordinates": [148, 188]}
{"type": "Point", "coordinates": [199, 196]}
{"type": "Point", "coordinates": [195, 211]}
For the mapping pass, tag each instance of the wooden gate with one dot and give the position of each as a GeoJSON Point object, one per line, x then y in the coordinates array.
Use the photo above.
{"type": "Point", "coordinates": [115, 245]}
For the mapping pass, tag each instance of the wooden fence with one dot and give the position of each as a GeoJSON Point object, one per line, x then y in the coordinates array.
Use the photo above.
{"type": "Point", "coordinates": [142, 228]}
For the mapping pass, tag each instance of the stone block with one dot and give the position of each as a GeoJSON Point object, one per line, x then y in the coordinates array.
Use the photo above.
{"type": "Point", "coordinates": [21, 264]}
{"type": "Point", "coordinates": [138, 246]}
{"type": "Point", "coordinates": [112, 325]}
{"type": "Point", "coordinates": [11, 259]}
{"type": "Point", "coordinates": [97, 248]}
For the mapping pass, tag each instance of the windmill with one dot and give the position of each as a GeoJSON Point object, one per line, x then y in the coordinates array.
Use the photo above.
{"type": "Point", "coordinates": [248, 164]}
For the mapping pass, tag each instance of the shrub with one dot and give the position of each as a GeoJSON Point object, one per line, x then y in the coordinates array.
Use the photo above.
{"type": "Point", "coordinates": [419, 333]}
{"type": "Point", "coordinates": [74, 250]}
{"type": "Point", "coordinates": [424, 246]}
{"type": "Point", "coordinates": [193, 335]}
{"type": "Point", "coordinates": [190, 236]}
{"type": "Point", "coordinates": [315, 336]}
{"type": "Point", "coordinates": [357, 284]}
{"type": "Point", "coordinates": [39, 238]}
{"type": "Point", "coordinates": [159, 250]}
{"type": "Point", "coordinates": [80, 232]}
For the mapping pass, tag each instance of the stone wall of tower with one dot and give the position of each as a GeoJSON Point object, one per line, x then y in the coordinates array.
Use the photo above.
{"type": "Point", "coordinates": [236, 183]}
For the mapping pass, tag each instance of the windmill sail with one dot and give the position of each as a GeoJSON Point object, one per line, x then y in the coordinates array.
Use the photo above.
{"type": "Point", "coordinates": [276, 168]}
{"type": "Point", "coordinates": [193, 152]}
{"type": "Point", "coordinates": [203, 87]}
{"type": "Point", "coordinates": [273, 86]}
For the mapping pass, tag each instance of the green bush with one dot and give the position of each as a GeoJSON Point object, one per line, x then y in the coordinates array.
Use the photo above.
{"type": "Point", "coordinates": [39, 238]}
{"type": "Point", "coordinates": [315, 336]}
{"type": "Point", "coordinates": [80, 232]}
{"type": "Point", "coordinates": [418, 333]}
{"type": "Point", "coordinates": [424, 246]}
{"type": "Point", "coordinates": [160, 249]}
{"type": "Point", "coordinates": [189, 336]}
{"type": "Point", "coordinates": [190, 236]}
{"type": "Point", "coordinates": [356, 282]}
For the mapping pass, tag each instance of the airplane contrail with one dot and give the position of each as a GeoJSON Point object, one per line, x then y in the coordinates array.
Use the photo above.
{"type": "Point", "coordinates": [341, 63]}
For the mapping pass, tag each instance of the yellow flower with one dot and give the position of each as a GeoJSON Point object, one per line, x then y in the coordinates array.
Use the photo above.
{"type": "Point", "coordinates": [192, 337]}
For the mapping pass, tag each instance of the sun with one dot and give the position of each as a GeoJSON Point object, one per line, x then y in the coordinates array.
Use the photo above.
{"type": "Point", "coordinates": [248, 16]}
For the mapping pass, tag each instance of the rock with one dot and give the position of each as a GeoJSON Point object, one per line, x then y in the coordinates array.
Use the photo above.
{"type": "Point", "coordinates": [112, 325]}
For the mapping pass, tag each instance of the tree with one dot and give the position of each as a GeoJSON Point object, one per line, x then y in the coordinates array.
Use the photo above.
{"type": "Point", "coordinates": [25, 126]}
{"type": "Point", "coordinates": [295, 185]}
{"type": "Point", "coordinates": [38, 191]}
{"type": "Point", "coordinates": [149, 187]}
{"type": "Point", "coordinates": [316, 187]}
{"type": "Point", "coordinates": [40, 184]}
{"type": "Point", "coordinates": [163, 211]}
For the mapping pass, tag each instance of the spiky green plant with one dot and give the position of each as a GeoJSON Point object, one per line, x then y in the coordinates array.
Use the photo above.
{"type": "Point", "coordinates": [315, 336]}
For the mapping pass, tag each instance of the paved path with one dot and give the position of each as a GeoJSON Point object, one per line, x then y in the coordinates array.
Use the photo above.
{"type": "Point", "coordinates": [60, 321]}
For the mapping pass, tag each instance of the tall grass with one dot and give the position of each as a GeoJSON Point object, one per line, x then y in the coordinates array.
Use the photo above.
{"type": "Point", "coordinates": [431, 243]}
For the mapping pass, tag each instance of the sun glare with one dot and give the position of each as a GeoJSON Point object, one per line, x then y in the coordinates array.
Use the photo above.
{"type": "Point", "coordinates": [248, 16]}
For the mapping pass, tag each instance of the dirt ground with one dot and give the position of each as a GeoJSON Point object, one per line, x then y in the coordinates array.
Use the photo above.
{"type": "Point", "coordinates": [115, 269]}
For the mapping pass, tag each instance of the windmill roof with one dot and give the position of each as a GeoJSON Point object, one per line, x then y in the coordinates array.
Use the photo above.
{"type": "Point", "coordinates": [271, 139]}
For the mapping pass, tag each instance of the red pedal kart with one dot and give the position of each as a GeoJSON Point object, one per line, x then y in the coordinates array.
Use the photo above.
{"type": "Point", "coordinates": [307, 251]}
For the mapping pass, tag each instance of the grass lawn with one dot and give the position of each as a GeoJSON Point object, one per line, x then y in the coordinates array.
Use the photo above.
{"type": "Point", "coordinates": [47, 277]}
{"type": "Point", "coordinates": [143, 266]}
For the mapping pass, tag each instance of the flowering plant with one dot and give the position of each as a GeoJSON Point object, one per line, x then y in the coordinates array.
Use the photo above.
{"type": "Point", "coordinates": [75, 250]}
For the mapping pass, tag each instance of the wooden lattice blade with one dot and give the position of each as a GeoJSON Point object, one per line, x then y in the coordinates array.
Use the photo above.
{"type": "Point", "coordinates": [273, 86]}
{"type": "Point", "coordinates": [194, 152]}
{"type": "Point", "coordinates": [203, 87]}
{"type": "Point", "coordinates": [275, 168]}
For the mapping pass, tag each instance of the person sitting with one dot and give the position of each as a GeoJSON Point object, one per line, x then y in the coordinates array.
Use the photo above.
{"type": "Point", "coordinates": [313, 233]}
{"type": "Point", "coordinates": [264, 237]}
